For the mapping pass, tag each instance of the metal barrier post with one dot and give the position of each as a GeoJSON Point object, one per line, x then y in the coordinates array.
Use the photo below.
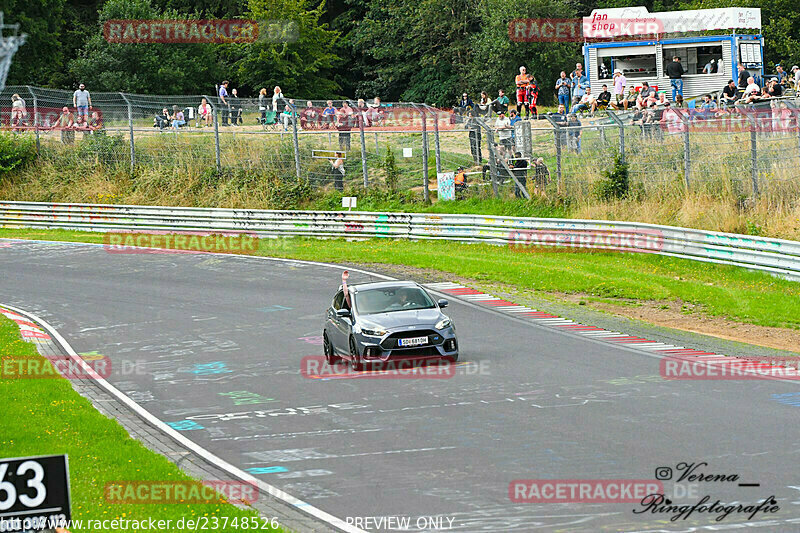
{"type": "Point", "coordinates": [621, 125]}
{"type": "Point", "coordinates": [377, 148]}
{"type": "Point", "coordinates": [216, 139]}
{"type": "Point", "coordinates": [753, 152]}
{"type": "Point", "coordinates": [492, 153]}
{"type": "Point", "coordinates": [796, 116]}
{"type": "Point", "coordinates": [687, 162]}
{"type": "Point", "coordinates": [296, 146]}
{"type": "Point", "coordinates": [35, 117]}
{"type": "Point", "coordinates": [130, 128]}
{"type": "Point", "coordinates": [425, 155]}
{"type": "Point", "coordinates": [436, 142]}
{"type": "Point", "coordinates": [364, 170]}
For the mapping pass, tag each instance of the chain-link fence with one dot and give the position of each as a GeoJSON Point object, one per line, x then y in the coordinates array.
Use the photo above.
{"type": "Point", "coordinates": [336, 144]}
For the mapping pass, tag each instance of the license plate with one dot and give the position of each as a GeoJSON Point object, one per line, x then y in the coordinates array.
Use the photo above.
{"type": "Point", "coordinates": [414, 341]}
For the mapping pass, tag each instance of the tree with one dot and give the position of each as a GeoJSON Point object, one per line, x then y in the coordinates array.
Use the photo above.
{"type": "Point", "coordinates": [298, 54]}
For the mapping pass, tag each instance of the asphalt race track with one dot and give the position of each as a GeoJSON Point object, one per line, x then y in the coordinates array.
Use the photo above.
{"type": "Point", "coordinates": [212, 345]}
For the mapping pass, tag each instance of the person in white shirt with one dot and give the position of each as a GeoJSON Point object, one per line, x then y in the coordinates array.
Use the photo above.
{"type": "Point", "coordinates": [752, 91]}
{"type": "Point", "coordinates": [503, 127]}
{"type": "Point", "coordinates": [587, 102]}
{"type": "Point", "coordinates": [796, 71]}
{"type": "Point", "coordinates": [277, 98]}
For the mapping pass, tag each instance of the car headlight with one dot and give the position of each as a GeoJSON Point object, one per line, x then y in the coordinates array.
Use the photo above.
{"type": "Point", "coordinates": [373, 332]}
{"type": "Point", "coordinates": [443, 323]}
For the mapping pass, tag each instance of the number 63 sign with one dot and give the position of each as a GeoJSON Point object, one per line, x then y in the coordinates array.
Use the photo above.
{"type": "Point", "coordinates": [34, 493]}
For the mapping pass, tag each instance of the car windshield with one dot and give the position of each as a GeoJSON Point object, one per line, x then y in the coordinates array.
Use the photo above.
{"type": "Point", "coordinates": [373, 301]}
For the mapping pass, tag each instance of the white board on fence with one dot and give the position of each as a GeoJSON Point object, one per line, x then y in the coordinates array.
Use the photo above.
{"type": "Point", "coordinates": [408, 152]}
{"type": "Point", "coordinates": [446, 185]}
{"type": "Point", "coordinates": [349, 201]}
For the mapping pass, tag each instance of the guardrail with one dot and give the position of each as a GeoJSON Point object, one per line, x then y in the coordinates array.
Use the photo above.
{"type": "Point", "coordinates": [776, 256]}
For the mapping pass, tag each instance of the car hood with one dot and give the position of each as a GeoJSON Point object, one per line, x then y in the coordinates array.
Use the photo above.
{"type": "Point", "coordinates": [397, 319]}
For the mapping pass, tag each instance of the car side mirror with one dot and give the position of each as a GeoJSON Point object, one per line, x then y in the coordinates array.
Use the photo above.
{"type": "Point", "coordinates": [343, 313]}
{"type": "Point", "coordinates": [443, 303]}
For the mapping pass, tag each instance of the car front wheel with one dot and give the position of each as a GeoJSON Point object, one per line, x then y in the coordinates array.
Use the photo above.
{"type": "Point", "coordinates": [355, 359]}
{"type": "Point", "coordinates": [330, 357]}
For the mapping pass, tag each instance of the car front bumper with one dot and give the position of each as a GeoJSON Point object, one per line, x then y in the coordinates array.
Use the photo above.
{"type": "Point", "coordinates": [442, 344]}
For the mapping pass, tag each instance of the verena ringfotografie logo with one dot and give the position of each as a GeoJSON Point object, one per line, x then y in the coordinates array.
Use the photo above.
{"type": "Point", "coordinates": [315, 367]}
{"type": "Point", "coordinates": [185, 491]}
{"type": "Point", "coordinates": [572, 240]}
{"type": "Point", "coordinates": [679, 367]}
{"type": "Point", "coordinates": [582, 490]}
{"type": "Point", "coordinates": [598, 27]}
{"type": "Point", "coordinates": [177, 243]}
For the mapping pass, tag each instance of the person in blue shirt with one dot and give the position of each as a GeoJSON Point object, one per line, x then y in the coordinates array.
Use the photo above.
{"type": "Point", "coordinates": [563, 87]}
{"type": "Point", "coordinates": [225, 105]}
{"type": "Point", "coordinates": [579, 83]}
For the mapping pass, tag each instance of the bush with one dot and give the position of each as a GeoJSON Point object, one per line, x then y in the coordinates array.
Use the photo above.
{"type": "Point", "coordinates": [16, 152]}
{"type": "Point", "coordinates": [615, 183]}
{"type": "Point", "coordinates": [104, 149]}
{"type": "Point", "coordinates": [392, 172]}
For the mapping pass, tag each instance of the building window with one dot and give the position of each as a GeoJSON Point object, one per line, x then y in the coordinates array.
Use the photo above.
{"type": "Point", "coordinates": [696, 59]}
{"type": "Point", "coordinates": [635, 66]}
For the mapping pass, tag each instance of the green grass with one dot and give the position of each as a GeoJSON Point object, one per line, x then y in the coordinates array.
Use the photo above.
{"type": "Point", "coordinates": [47, 417]}
{"type": "Point", "coordinates": [718, 290]}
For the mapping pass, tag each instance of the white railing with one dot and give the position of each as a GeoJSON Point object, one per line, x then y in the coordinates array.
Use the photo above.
{"type": "Point", "coordinates": [777, 256]}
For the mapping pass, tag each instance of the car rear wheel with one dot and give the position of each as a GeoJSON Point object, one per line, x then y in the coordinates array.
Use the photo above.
{"type": "Point", "coordinates": [330, 357]}
{"type": "Point", "coordinates": [355, 359]}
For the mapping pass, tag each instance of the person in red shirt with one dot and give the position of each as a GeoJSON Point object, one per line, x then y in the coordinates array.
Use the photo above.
{"type": "Point", "coordinates": [522, 81]}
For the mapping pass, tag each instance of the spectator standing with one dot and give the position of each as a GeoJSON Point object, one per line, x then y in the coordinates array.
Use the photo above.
{"type": "Point", "coordinates": [782, 75]}
{"type": "Point", "coordinates": [743, 76]}
{"type": "Point", "coordinates": [513, 118]}
{"type": "Point", "coordinates": [711, 67]}
{"type": "Point", "coordinates": [729, 95]}
{"type": "Point", "coordinates": [277, 98]}
{"type": "Point", "coordinates": [675, 72]}
{"type": "Point", "coordinates": [563, 86]}
{"type": "Point", "coordinates": [580, 82]}
{"type": "Point", "coordinates": [338, 171]}
{"type": "Point", "coordinates": [532, 97]}
{"type": "Point", "coordinates": [796, 71]}
{"type": "Point", "coordinates": [500, 103]}
{"type": "Point", "coordinates": [376, 113]}
{"type": "Point", "coordinates": [236, 108]}
{"type": "Point", "coordinates": [560, 118]}
{"type": "Point", "coordinates": [224, 103]}
{"type": "Point", "coordinates": [503, 127]}
{"type": "Point", "coordinates": [66, 124]}
{"type": "Point", "coordinates": [262, 104]}
{"type": "Point", "coordinates": [522, 81]}
{"type": "Point", "coordinates": [82, 101]}
{"type": "Point", "coordinates": [474, 129]}
{"type": "Point", "coordinates": [344, 117]}
{"type": "Point", "coordinates": [541, 177]}
{"type": "Point", "coordinates": [204, 113]}
{"type": "Point", "coordinates": [520, 169]}
{"type": "Point", "coordinates": [18, 112]}
{"type": "Point", "coordinates": [619, 89]}
{"type": "Point", "coordinates": [574, 139]}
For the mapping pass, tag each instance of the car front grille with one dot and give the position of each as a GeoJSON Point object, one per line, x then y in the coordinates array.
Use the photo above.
{"type": "Point", "coordinates": [390, 342]}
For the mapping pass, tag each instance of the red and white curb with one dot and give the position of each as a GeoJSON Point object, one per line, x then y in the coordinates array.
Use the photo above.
{"type": "Point", "coordinates": [28, 330]}
{"type": "Point", "coordinates": [550, 320]}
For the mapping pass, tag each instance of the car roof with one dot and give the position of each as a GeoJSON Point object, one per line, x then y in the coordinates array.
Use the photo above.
{"type": "Point", "coordinates": [382, 285]}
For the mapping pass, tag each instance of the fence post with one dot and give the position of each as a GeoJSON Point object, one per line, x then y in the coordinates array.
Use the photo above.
{"type": "Point", "coordinates": [216, 139]}
{"type": "Point", "coordinates": [424, 154]}
{"type": "Point", "coordinates": [436, 142]}
{"type": "Point", "coordinates": [296, 145]}
{"type": "Point", "coordinates": [796, 116]}
{"type": "Point", "coordinates": [687, 162]}
{"type": "Point", "coordinates": [492, 153]}
{"type": "Point", "coordinates": [377, 148]}
{"type": "Point", "coordinates": [621, 125]}
{"type": "Point", "coordinates": [754, 158]}
{"type": "Point", "coordinates": [130, 128]}
{"type": "Point", "coordinates": [35, 116]}
{"type": "Point", "coordinates": [364, 170]}
{"type": "Point", "coordinates": [557, 136]}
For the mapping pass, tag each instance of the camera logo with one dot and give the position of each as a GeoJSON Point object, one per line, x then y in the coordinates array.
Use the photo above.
{"type": "Point", "coordinates": [663, 473]}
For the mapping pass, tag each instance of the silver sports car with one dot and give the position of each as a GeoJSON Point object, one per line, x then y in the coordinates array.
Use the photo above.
{"type": "Point", "coordinates": [387, 321]}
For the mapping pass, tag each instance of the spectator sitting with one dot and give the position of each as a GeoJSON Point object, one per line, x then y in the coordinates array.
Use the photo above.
{"type": "Point", "coordinates": [500, 104]}
{"type": "Point", "coordinates": [95, 122]}
{"type": "Point", "coordinates": [329, 114]}
{"type": "Point", "coordinates": [161, 121]}
{"type": "Point", "coordinates": [376, 112]}
{"type": "Point", "coordinates": [18, 112]}
{"type": "Point", "coordinates": [646, 96]}
{"type": "Point", "coordinates": [287, 116]}
{"type": "Point", "coordinates": [484, 105]}
{"type": "Point", "coordinates": [729, 95]}
{"type": "Point", "coordinates": [204, 113]}
{"type": "Point", "coordinates": [465, 105]}
{"type": "Point", "coordinates": [774, 88]}
{"type": "Point", "coordinates": [309, 116]}
{"type": "Point", "coordinates": [603, 99]}
{"type": "Point", "coordinates": [662, 98]}
{"type": "Point", "coordinates": [707, 109]}
{"type": "Point", "coordinates": [752, 92]}
{"type": "Point", "coordinates": [679, 101]}
{"type": "Point", "coordinates": [586, 103]}
{"type": "Point", "coordinates": [178, 119]}
{"type": "Point", "coordinates": [363, 114]}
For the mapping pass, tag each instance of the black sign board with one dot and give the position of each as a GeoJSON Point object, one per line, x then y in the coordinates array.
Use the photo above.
{"type": "Point", "coordinates": [34, 493]}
